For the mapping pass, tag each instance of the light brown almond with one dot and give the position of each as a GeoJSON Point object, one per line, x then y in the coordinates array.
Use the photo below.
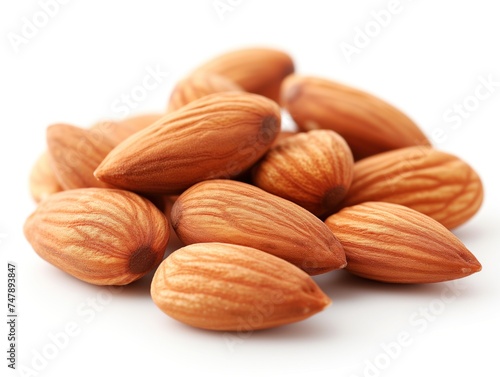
{"type": "Point", "coordinates": [43, 182]}
{"type": "Point", "coordinates": [75, 153]}
{"type": "Point", "coordinates": [392, 243]}
{"type": "Point", "coordinates": [101, 236]}
{"type": "Point", "coordinates": [235, 212]}
{"type": "Point", "coordinates": [217, 136]}
{"type": "Point", "coordinates": [435, 183]}
{"type": "Point", "coordinates": [197, 86]}
{"type": "Point", "coordinates": [368, 124]}
{"type": "Point", "coordinates": [312, 169]}
{"type": "Point", "coordinates": [220, 286]}
{"type": "Point", "coordinates": [119, 130]}
{"type": "Point", "coordinates": [256, 70]}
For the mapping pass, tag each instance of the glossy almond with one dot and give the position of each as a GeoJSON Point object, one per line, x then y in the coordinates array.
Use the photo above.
{"type": "Point", "coordinates": [43, 182]}
{"type": "Point", "coordinates": [368, 124]}
{"type": "Point", "coordinates": [197, 86]}
{"type": "Point", "coordinates": [101, 236]}
{"type": "Point", "coordinates": [392, 243]}
{"type": "Point", "coordinates": [238, 213]}
{"type": "Point", "coordinates": [216, 136]}
{"type": "Point", "coordinates": [313, 169]}
{"type": "Point", "coordinates": [435, 183]}
{"type": "Point", "coordinates": [256, 70]}
{"type": "Point", "coordinates": [227, 287]}
{"type": "Point", "coordinates": [75, 153]}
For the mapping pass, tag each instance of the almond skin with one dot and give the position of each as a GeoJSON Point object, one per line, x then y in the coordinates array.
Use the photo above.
{"type": "Point", "coordinates": [282, 136]}
{"type": "Point", "coordinates": [435, 183]}
{"type": "Point", "coordinates": [43, 182]}
{"type": "Point", "coordinates": [217, 136]}
{"type": "Point", "coordinates": [100, 236]}
{"type": "Point", "coordinates": [219, 286]}
{"type": "Point", "coordinates": [368, 124]}
{"type": "Point", "coordinates": [238, 213]}
{"type": "Point", "coordinates": [312, 169]}
{"type": "Point", "coordinates": [75, 153]}
{"type": "Point", "coordinates": [197, 86]}
{"type": "Point", "coordinates": [392, 243]}
{"type": "Point", "coordinates": [117, 131]}
{"type": "Point", "coordinates": [256, 70]}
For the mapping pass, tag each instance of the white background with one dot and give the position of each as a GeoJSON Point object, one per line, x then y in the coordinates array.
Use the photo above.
{"type": "Point", "coordinates": [430, 56]}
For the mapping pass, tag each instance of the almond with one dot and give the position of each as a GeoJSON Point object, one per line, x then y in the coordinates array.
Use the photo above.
{"type": "Point", "coordinates": [435, 183]}
{"type": "Point", "coordinates": [392, 243]}
{"type": "Point", "coordinates": [367, 123]}
{"type": "Point", "coordinates": [75, 153]}
{"type": "Point", "coordinates": [197, 86]}
{"type": "Point", "coordinates": [117, 131]}
{"type": "Point", "coordinates": [238, 213]}
{"type": "Point", "coordinates": [43, 182]}
{"type": "Point", "coordinates": [313, 169]}
{"type": "Point", "coordinates": [137, 123]}
{"type": "Point", "coordinates": [101, 236]}
{"type": "Point", "coordinates": [282, 136]}
{"type": "Point", "coordinates": [218, 286]}
{"type": "Point", "coordinates": [216, 136]}
{"type": "Point", "coordinates": [256, 70]}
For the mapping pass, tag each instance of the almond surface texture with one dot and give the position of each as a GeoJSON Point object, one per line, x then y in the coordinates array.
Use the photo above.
{"type": "Point", "coordinates": [219, 286]}
{"type": "Point", "coordinates": [368, 124]}
{"type": "Point", "coordinates": [238, 213]}
{"type": "Point", "coordinates": [435, 183]}
{"type": "Point", "coordinates": [101, 236]}
{"type": "Point", "coordinates": [392, 243]}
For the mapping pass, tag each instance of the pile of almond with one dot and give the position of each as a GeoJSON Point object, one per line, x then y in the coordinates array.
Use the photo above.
{"type": "Point", "coordinates": [358, 187]}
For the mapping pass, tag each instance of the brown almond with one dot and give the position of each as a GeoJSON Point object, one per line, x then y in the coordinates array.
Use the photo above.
{"type": "Point", "coordinates": [235, 212]}
{"type": "Point", "coordinates": [75, 153]}
{"type": "Point", "coordinates": [392, 243]}
{"type": "Point", "coordinates": [117, 131]}
{"type": "Point", "coordinates": [197, 86]}
{"type": "Point", "coordinates": [312, 169]}
{"type": "Point", "coordinates": [219, 135]}
{"type": "Point", "coordinates": [218, 286]}
{"type": "Point", "coordinates": [256, 70]}
{"type": "Point", "coordinates": [435, 183]}
{"type": "Point", "coordinates": [101, 236]}
{"type": "Point", "coordinates": [368, 124]}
